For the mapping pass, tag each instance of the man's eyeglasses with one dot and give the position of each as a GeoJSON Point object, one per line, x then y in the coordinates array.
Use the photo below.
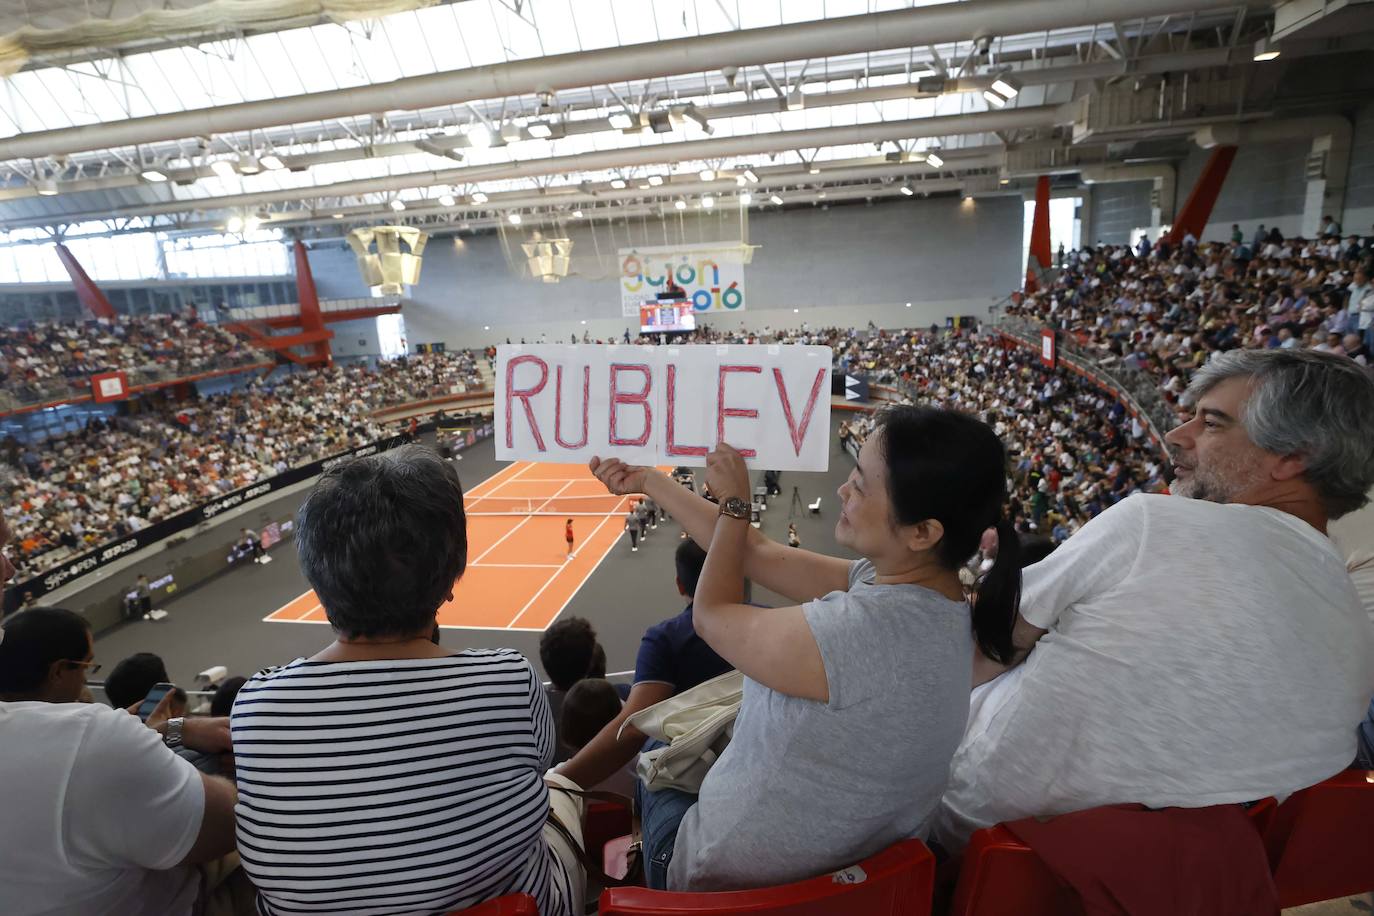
{"type": "Point", "coordinates": [91, 667]}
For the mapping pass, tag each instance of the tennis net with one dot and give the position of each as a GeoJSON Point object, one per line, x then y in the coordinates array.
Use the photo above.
{"type": "Point", "coordinates": [563, 506]}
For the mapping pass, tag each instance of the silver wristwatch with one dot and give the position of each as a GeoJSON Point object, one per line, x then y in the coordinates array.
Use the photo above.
{"type": "Point", "coordinates": [172, 737]}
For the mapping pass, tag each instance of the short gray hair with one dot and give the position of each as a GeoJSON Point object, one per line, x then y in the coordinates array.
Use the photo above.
{"type": "Point", "coordinates": [382, 539]}
{"type": "Point", "coordinates": [1319, 405]}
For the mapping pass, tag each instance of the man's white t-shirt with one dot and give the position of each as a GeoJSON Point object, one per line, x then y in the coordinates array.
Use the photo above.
{"type": "Point", "coordinates": [96, 812]}
{"type": "Point", "coordinates": [1198, 654]}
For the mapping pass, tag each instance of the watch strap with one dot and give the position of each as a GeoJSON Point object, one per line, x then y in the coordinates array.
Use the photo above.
{"type": "Point", "coordinates": [172, 737]}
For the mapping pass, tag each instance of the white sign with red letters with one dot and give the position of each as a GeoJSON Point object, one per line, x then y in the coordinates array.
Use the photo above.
{"type": "Point", "coordinates": [664, 405]}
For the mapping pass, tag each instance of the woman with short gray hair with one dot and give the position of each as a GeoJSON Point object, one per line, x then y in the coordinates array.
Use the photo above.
{"type": "Point", "coordinates": [387, 774]}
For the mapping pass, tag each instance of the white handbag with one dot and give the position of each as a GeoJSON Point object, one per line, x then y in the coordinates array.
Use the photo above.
{"type": "Point", "coordinates": [696, 725]}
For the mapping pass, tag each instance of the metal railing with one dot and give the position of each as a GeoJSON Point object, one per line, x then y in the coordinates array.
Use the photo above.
{"type": "Point", "coordinates": [1136, 387]}
{"type": "Point", "coordinates": [30, 394]}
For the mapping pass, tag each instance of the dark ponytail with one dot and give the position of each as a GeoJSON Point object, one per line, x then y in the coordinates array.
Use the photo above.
{"type": "Point", "coordinates": [951, 467]}
{"type": "Point", "coordinates": [999, 597]}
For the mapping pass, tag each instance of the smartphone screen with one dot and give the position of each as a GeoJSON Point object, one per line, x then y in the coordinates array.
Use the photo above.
{"type": "Point", "coordinates": [153, 698]}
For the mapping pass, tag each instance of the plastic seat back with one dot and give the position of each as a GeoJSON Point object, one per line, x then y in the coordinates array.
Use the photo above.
{"type": "Point", "coordinates": [507, 905]}
{"type": "Point", "coordinates": [1001, 876]}
{"type": "Point", "coordinates": [898, 881]}
{"type": "Point", "coordinates": [1321, 840]}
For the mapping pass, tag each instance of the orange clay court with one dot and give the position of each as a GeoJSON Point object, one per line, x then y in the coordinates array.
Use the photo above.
{"type": "Point", "coordinates": [518, 575]}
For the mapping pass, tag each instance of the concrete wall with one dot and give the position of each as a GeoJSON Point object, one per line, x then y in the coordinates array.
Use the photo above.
{"type": "Point", "coordinates": [1359, 189]}
{"type": "Point", "coordinates": [842, 266]}
{"type": "Point", "coordinates": [1266, 185]}
{"type": "Point", "coordinates": [1116, 208]}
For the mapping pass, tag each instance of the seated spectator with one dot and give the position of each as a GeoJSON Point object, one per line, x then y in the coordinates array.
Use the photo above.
{"type": "Point", "coordinates": [446, 751]}
{"type": "Point", "coordinates": [568, 650]}
{"type": "Point", "coordinates": [672, 658]}
{"type": "Point", "coordinates": [1353, 535]}
{"type": "Point", "coordinates": [131, 679]}
{"type": "Point", "coordinates": [1201, 648]}
{"type": "Point", "coordinates": [591, 705]}
{"type": "Point", "coordinates": [102, 817]}
{"type": "Point", "coordinates": [855, 698]}
{"type": "Point", "coordinates": [223, 701]}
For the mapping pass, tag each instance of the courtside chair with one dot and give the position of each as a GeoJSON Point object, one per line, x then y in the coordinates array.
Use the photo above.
{"type": "Point", "coordinates": [507, 905]}
{"type": "Point", "coordinates": [898, 881]}
{"type": "Point", "coordinates": [1321, 840]}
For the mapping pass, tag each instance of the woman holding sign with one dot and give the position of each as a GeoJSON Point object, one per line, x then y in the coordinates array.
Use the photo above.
{"type": "Point", "coordinates": [856, 697]}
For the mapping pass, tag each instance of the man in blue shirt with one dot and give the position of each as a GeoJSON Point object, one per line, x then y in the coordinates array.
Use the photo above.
{"type": "Point", "coordinates": [672, 658]}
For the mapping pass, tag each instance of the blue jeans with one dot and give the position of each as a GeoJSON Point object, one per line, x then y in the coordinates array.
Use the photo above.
{"type": "Point", "coordinates": [660, 814]}
{"type": "Point", "coordinates": [1365, 757]}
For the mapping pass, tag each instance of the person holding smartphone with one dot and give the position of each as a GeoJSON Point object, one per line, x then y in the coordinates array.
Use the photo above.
{"type": "Point", "coordinates": [105, 817]}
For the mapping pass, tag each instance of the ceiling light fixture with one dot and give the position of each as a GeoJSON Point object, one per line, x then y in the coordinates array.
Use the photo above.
{"type": "Point", "coordinates": [510, 132]}
{"type": "Point", "coordinates": [152, 175]}
{"type": "Point", "coordinates": [272, 161]}
{"type": "Point", "coordinates": [47, 187]}
{"type": "Point", "coordinates": [693, 114]}
{"type": "Point", "coordinates": [252, 223]}
{"type": "Point", "coordinates": [577, 214]}
{"type": "Point", "coordinates": [621, 120]}
{"type": "Point", "coordinates": [223, 168]}
{"type": "Point", "coordinates": [249, 165]}
{"type": "Point", "coordinates": [539, 130]}
{"type": "Point", "coordinates": [745, 198]}
{"type": "Point", "coordinates": [1264, 51]}
{"type": "Point", "coordinates": [337, 215]}
{"type": "Point", "coordinates": [479, 137]}
{"type": "Point", "coordinates": [707, 174]}
{"type": "Point", "coordinates": [655, 180]}
{"type": "Point", "coordinates": [398, 205]}
{"type": "Point", "coordinates": [934, 161]}
{"type": "Point", "coordinates": [751, 176]}
{"type": "Point", "coordinates": [680, 204]}
{"type": "Point", "coordinates": [235, 224]}
{"type": "Point", "coordinates": [907, 190]}
{"type": "Point", "coordinates": [618, 183]}
{"type": "Point", "coordinates": [707, 201]}
{"type": "Point", "coordinates": [1006, 86]}
{"type": "Point", "coordinates": [479, 198]}
{"type": "Point", "coordinates": [993, 99]}
{"type": "Point", "coordinates": [777, 201]}
{"type": "Point", "coordinates": [514, 219]}
{"type": "Point", "coordinates": [447, 200]}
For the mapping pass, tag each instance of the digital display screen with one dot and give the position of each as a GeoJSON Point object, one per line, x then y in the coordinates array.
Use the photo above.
{"type": "Point", "coordinates": [664, 317]}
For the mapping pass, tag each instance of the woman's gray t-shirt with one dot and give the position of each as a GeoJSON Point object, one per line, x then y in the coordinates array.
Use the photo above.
{"type": "Point", "coordinates": [807, 787]}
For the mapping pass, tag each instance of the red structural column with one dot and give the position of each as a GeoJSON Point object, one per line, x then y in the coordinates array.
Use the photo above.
{"type": "Point", "coordinates": [311, 319]}
{"type": "Point", "coordinates": [1198, 208]}
{"type": "Point", "coordinates": [1038, 257]}
{"type": "Point", "coordinates": [87, 293]}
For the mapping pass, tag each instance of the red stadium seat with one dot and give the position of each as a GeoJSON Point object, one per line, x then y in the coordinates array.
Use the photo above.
{"type": "Point", "coordinates": [898, 881]}
{"type": "Point", "coordinates": [508, 905]}
{"type": "Point", "coordinates": [1321, 840]}
{"type": "Point", "coordinates": [1001, 876]}
{"type": "Point", "coordinates": [603, 822]}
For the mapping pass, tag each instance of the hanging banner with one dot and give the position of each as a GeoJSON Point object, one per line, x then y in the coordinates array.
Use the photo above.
{"type": "Point", "coordinates": [711, 275]}
{"type": "Point", "coordinates": [664, 405]}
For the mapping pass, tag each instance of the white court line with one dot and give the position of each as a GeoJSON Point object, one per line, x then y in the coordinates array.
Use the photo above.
{"type": "Point", "coordinates": [521, 523]}
{"type": "Point", "coordinates": [516, 565]}
{"type": "Point", "coordinates": [578, 588]}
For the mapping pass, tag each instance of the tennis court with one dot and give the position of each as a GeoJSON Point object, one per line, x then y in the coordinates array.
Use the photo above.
{"type": "Point", "coordinates": [518, 574]}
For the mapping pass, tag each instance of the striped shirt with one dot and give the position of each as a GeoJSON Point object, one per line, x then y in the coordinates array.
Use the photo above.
{"type": "Point", "coordinates": [404, 786]}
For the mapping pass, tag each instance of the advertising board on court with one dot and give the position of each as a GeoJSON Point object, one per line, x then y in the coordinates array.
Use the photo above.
{"type": "Point", "coordinates": [664, 405]}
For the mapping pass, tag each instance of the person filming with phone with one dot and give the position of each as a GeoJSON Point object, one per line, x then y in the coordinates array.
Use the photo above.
{"type": "Point", "coordinates": [101, 816]}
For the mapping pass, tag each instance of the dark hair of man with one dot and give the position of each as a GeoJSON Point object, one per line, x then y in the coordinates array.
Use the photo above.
{"type": "Point", "coordinates": [382, 539]}
{"type": "Point", "coordinates": [223, 700]}
{"type": "Point", "coordinates": [567, 650]}
{"type": "Point", "coordinates": [133, 677]}
{"type": "Point", "coordinates": [690, 559]}
{"type": "Point", "coordinates": [951, 467]}
{"type": "Point", "coordinates": [36, 638]}
{"type": "Point", "coordinates": [590, 704]}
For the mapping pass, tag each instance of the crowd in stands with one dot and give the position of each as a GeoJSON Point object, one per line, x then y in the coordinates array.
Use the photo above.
{"type": "Point", "coordinates": [1106, 673]}
{"type": "Point", "coordinates": [50, 360]}
{"type": "Point", "coordinates": [117, 475]}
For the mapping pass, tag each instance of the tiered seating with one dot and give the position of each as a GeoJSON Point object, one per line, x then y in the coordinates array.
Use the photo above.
{"type": "Point", "coordinates": [509, 905]}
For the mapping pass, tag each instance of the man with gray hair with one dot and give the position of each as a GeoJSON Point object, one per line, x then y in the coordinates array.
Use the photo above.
{"type": "Point", "coordinates": [1200, 648]}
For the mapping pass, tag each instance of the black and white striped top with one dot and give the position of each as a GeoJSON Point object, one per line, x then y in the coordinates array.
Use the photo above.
{"type": "Point", "coordinates": [396, 787]}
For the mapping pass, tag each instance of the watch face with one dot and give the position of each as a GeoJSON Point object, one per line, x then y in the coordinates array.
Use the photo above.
{"type": "Point", "coordinates": [736, 507]}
